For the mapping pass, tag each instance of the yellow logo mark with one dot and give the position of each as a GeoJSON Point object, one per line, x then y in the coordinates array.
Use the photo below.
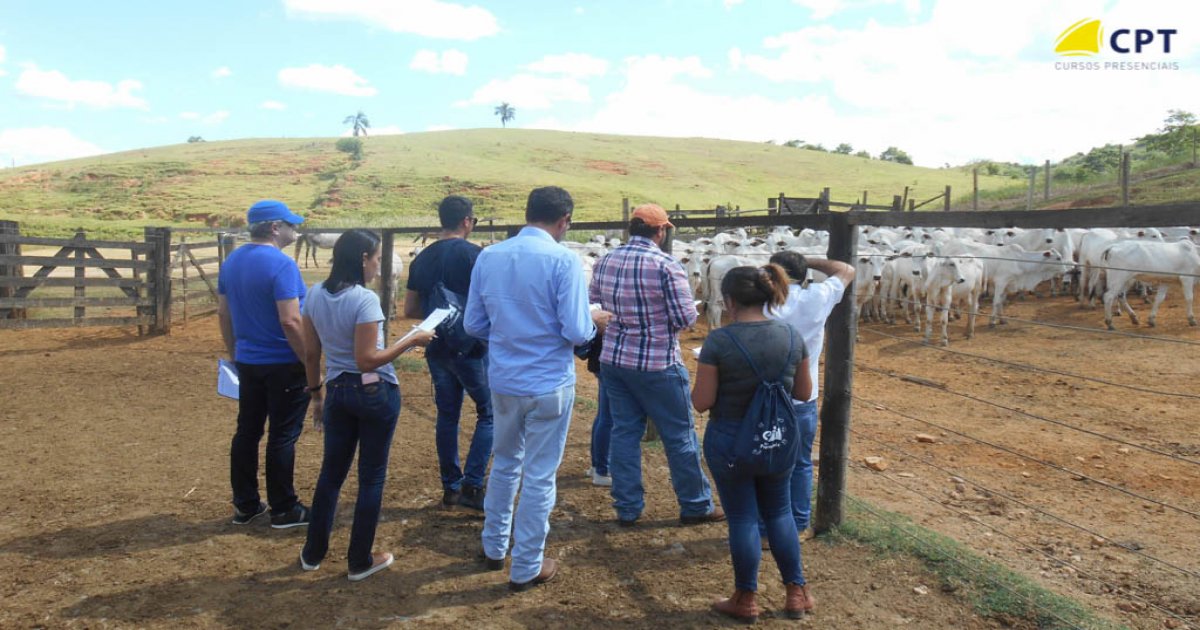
{"type": "Point", "coordinates": [1081, 39]}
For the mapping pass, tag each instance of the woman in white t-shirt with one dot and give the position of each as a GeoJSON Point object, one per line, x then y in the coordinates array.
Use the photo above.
{"type": "Point", "coordinates": [343, 318]}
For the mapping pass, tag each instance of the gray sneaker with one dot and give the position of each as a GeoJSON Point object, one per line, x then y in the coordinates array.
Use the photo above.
{"type": "Point", "coordinates": [295, 517]}
{"type": "Point", "coordinates": [244, 518]}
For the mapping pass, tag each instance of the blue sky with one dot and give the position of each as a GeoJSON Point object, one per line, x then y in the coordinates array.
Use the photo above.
{"type": "Point", "coordinates": [946, 80]}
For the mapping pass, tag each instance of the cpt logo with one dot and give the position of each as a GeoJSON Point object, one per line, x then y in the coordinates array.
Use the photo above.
{"type": "Point", "coordinates": [1086, 38]}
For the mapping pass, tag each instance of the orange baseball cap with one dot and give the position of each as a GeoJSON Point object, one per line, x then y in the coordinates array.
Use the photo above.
{"type": "Point", "coordinates": [653, 215]}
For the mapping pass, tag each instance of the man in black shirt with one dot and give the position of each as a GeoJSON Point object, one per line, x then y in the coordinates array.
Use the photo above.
{"type": "Point", "coordinates": [449, 262]}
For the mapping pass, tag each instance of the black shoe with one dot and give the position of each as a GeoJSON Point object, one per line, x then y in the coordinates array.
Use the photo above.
{"type": "Point", "coordinates": [295, 517]}
{"type": "Point", "coordinates": [471, 497]}
{"type": "Point", "coordinates": [450, 498]}
{"type": "Point", "coordinates": [489, 563]}
{"type": "Point", "coordinates": [244, 518]}
{"type": "Point", "coordinates": [626, 523]}
{"type": "Point", "coordinates": [715, 516]}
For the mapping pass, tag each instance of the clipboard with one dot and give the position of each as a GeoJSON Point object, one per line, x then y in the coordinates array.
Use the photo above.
{"type": "Point", "coordinates": [228, 383]}
{"type": "Point", "coordinates": [438, 316]}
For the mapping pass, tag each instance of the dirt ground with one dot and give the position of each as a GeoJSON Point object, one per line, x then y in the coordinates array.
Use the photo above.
{"type": "Point", "coordinates": [115, 497]}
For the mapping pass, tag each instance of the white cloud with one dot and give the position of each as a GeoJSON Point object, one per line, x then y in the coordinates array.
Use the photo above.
{"type": "Point", "coordinates": [729, 4]}
{"type": "Point", "coordinates": [579, 11]}
{"type": "Point", "coordinates": [42, 144]}
{"type": "Point", "coordinates": [55, 86]}
{"type": "Point", "coordinates": [222, 72]}
{"type": "Point", "coordinates": [214, 118]}
{"type": "Point", "coordinates": [337, 79]}
{"type": "Point", "coordinates": [527, 91]}
{"type": "Point", "coordinates": [449, 62]}
{"type": "Point", "coordinates": [948, 89]}
{"type": "Point", "coordinates": [275, 105]}
{"type": "Point", "coordinates": [388, 130]}
{"type": "Point", "coordinates": [428, 18]}
{"type": "Point", "coordinates": [2, 72]}
{"type": "Point", "coordinates": [571, 64]}
{"type": "Point", "coordinates": [822, 9]}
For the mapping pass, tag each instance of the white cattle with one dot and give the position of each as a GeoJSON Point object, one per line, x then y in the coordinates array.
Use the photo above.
{"type": "Point", "coordinates": [952, 281]}
{"type": "Point", "coordinates": [903, 283]}
{"type": "Point", "coordinates": [715, 272]}
{"type": "Point", "coordinates": [1022, 271]}
{"type": "Point", "coordinates": [868, 272]}
{"type": "Point", "coordinates": [1128, 261]}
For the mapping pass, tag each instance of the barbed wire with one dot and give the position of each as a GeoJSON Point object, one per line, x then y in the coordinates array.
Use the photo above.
{"type": "Point", "coordinates": [1074, 473]}
{"type": "Point", "coordinates": [1060, 263]}
{"type": "Point", "coordinates": [974, 572]}
{"type": "Point", "coordinates": [1099, 331]}
{"type": "Point", "coordinates": [1034, 508]}
{"type": "Point", "coordinates": [1034, 368]}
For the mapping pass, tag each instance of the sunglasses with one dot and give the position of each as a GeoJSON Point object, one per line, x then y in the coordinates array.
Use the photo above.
{"type": "Point", "coordinates": [474, 221]}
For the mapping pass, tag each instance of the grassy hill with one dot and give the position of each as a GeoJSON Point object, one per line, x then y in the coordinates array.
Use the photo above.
{"type": "Point", "coordinates": [401, 178]}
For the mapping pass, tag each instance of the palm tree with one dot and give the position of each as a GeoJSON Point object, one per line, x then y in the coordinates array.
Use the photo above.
{"type": "Point", "coordinates": [359, 121]}
{"type": "Point", "coordinates": [506, 113]}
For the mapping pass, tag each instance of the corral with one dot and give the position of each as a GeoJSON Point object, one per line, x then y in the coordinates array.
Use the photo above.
{"type": "Point", "coordinates": [116, 494]}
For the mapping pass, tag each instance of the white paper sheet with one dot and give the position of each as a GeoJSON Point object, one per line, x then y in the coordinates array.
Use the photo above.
{"type": "Point", "coordinates": [696, 352]}
{"type": "Point", "coordinates": [436, 317]}
{"type": "Point", "coordinates": [228, 384]}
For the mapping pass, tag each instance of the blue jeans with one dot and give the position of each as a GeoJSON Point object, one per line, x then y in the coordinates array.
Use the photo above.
{"type": "Point", "coordinates": [632, 395]}
{"type": "Point", "coordinates": [802, 475]}
{"type": "Point", "coordinates": [601, 431]}
{"type": "Point", "coordinates": [746, 500]}
{"type": "Point", "coordinates": [452, 376]}
{"type": "Point", "coordinates": [363, 418]}
{"type": "Point", "coordinates": [531, 433]}
{"type": "Point", "coordinates": [271, 393]}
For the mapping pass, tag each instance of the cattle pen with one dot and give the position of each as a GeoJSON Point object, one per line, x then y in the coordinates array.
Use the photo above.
{"type": "Point", "coordinates": [1141, 559]}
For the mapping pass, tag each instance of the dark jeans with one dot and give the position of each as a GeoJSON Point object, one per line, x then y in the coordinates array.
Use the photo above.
{"type": "Point", "coordinates": [747, 499]}
{"type": "Point", "coordinates": [357, 417]}
{"type": "Point", "coordinates": [802, 474]}
{"type": "Point", "coordinates": [273, 393]}
{"type": "Point", "coordinates": [452, 376]}
{"type": "Point", "coordinates": [601, 430]}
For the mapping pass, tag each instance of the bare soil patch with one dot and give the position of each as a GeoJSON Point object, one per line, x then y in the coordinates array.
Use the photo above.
{"type": "Point", "coordinates": [114, 491]}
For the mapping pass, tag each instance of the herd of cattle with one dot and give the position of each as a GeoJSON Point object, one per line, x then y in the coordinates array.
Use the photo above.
{"type": "Point", "coordinates": [928, 273]}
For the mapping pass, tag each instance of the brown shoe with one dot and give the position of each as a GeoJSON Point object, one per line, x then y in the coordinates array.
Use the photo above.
{"type": "Point", "coordinates": [715, 516]}
{"type": "Point", "coordinates": [799, 601]}
{"type": "Point", "coordinates": [742, 605]}
{"type": "Point", "coordinates": [549, 570]}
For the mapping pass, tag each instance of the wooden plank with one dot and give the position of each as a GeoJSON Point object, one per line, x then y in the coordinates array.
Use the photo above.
{"type": "Point", "coordinates": [77, 302]}
{"type": "Point", "coordinates": [67, 261]}
{"type": "Point", "coordinates": [66, 242]}
{"type": "Point", "coordinates": [73, 323]}
{"type": "Point", "coordinates": [203, 244]}
{"type": "Point", "coordinates": [111, 273]}
{"type": "Point", "coordinates": [211, 260]}
{"type": "Point", "coordinates": [387, 282]}
{"type": "Point", "coordinates": [203, 276]}
{"type": "Point", "coordinates": [69, 282]}
{"type": "Point", "coordinates": [1167, 215]}
{"type": "Point", "coordinates": [837, 386]}
{"type": "Point", "coordinates": [80, 290]}
{"type": "Point", "coordinates": [191, 296]}
{"type": "Point", "coordinates": [10, 272]}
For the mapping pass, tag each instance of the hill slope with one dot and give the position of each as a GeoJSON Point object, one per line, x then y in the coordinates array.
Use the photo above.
{"type": "Point", "coordinates": [402, 178]}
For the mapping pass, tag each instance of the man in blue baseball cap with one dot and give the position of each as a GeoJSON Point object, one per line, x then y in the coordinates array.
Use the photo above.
{"type": "Point", "coordinates": [260, 295]}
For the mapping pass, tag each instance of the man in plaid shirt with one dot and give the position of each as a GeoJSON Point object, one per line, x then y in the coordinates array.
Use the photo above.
{"type": "Point", "coordinates": [643, 375]}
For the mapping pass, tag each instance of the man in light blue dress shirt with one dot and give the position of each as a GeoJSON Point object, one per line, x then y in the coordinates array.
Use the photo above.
{"type": "Point", "coordinates": [528, 299]}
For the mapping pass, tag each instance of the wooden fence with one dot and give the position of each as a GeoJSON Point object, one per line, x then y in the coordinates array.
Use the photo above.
{"type": "Point", "coordinates": [124, 285]}
{"type": "Point", "coordinates": [194, 267]}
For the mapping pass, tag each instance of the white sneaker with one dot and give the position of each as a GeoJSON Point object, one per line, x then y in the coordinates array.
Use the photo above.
{"type": "Point", "coordinates": [382, 561]}
{"type": "Point", "coordinates": [306, 566]}
{"type": "Point", "coordinates": [601, 480]}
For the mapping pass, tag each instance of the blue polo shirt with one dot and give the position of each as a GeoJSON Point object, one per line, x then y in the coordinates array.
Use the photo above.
{"type": "Point", "coordinates": [253, 279]}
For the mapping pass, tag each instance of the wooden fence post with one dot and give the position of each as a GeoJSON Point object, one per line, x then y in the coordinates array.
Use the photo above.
{"type": "Point", "coordinates": [80, 273]}
{"type": "Point", "coordinates": [904, 200]}
{"type": "Point", "coordinates": [897, 203]}
{"type": "Point", "coordinates": [1029, 193]}
{"type": "Point", "coordinates": [183, 283]}
{"type": "Point", "coordinates": [840, 330]}
{"type": "Point", "coordinates": [625, 217]}
{"type": "Point", "coordinates": [946, 205]}
{"type": "Point", "coordinates": [824, 207]}
{"type": "Point", "coordinates": [1125, 179]}
{"type": "Point", "coordinates": [864, 201]}
{"type": "Point", "coordinates": [1046, 191]}
{"type": "Point", "coordinates": [386, 282]}
{"type": "Point", "coordinates": [159, 277]}
{"type": "Point", "coordinates": [975, 189]}
{"type": "Point", "coordinates": [10, 228]}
